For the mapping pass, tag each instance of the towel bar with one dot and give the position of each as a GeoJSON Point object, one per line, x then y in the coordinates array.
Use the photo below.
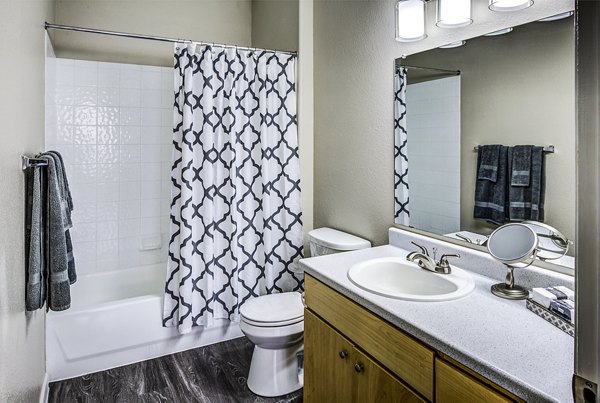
{"type": "Point", "coordinates": [27, 162]}
{"type": "Point", "coordinates": [548, 149]}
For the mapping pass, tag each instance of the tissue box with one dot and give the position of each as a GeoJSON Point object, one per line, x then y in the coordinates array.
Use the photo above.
{"type": "Point", "coordinates": [551, 317]}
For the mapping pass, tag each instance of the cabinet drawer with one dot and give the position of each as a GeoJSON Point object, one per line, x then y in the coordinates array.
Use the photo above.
{"type": "Point", "coordinates": [398, 352]}
{"type": "Point", "coordinates": [453, 385]}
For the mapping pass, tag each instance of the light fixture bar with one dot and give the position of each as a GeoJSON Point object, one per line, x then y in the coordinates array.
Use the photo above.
{"type": "Point", "coordinates": [453, 13]}
{"type": "Point", "coordinates": [410, 20]}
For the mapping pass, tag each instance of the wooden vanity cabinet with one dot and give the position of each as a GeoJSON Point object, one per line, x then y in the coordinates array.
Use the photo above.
{"type": "Point", "coordinates": [392, 366]}
{"type": "Point", "coordinates": [337, 371]}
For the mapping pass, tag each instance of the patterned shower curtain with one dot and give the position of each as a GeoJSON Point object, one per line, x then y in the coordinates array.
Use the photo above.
{"type": "Point", "coordinates": [402, 215]}
{"type": "Point", "coordinates": [236, 229]}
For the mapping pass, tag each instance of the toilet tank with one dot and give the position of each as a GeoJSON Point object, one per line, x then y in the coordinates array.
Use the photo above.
{"type": "Point", "coordinates": [325, 241]}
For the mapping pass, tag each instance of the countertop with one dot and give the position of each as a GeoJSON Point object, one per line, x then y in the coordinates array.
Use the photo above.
{"type": "Point", "coordinates": [498, 338]}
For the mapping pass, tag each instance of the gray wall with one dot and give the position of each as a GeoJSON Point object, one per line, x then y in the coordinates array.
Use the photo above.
{"type": "Point", "coordinates": [275, 24]}
{"type": "Point", "coordinates": [22, 351]}
{"type": "Point", "coordinates": [203, 20]}
{"type": "Point", "coordinates": [517, 88]}
{"type": "Point", "coordinates": [354, 52]}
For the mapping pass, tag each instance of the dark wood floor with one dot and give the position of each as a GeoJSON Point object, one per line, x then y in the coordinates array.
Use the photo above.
{"type": "Point", "coordinates": [211, 374]}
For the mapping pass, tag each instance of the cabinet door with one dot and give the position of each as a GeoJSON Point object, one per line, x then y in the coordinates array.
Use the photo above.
{"type": "Point", "coordinates": [453, 385]}
{"type": "Point", "coordinates": [375, 384]}
{"type": "Point", "coordinates": [328, 372]}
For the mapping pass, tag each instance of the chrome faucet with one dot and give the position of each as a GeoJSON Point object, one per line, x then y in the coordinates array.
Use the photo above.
{"type": "Point", "coordinates": [424, 261]}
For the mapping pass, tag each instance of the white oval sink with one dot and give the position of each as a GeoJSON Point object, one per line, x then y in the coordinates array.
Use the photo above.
{"type": "Point", "coordinates": [396, 277]}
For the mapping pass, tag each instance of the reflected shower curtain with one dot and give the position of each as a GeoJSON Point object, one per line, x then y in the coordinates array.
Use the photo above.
{"type": "Point", "coordinates": [236, 229]}
{"type": "Point", "coordinates": [401, 210]}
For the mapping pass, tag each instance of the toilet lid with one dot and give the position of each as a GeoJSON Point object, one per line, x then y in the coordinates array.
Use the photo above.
{"type": "Point", "coordinates": [273, 308]}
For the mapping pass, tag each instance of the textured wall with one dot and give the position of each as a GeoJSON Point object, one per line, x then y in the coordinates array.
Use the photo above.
{"type": "Point", "coordinates": [354, 60]}
{"type": "Point", "coordinates": [22, 352]}
{"type": "Point", "coordinates": [518, 89]}
{"type": "Point", "coordinates": [275, 24]}
{"type": "Point", "coordinates": [222, 21]}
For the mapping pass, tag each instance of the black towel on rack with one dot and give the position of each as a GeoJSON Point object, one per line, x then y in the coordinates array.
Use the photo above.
{"type": "Point", "coordinates": [490, 196]}
{"type": "Point", "coordinates": [527, 202]}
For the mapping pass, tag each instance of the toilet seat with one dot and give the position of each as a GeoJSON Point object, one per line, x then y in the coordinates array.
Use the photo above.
{"type": "Point", "coordinates": [273, 310]}
{"type": "Point", "coordinates": [271, 324]}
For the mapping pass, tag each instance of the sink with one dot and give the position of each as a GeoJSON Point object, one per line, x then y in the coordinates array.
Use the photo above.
{"type": "Point", "coordinates": [396, 277]}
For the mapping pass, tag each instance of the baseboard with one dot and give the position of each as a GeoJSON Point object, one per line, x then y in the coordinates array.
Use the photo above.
{"type": "Point", "coordinates": [45, 391]}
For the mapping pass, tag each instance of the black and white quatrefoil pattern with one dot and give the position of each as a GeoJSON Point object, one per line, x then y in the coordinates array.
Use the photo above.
{"type": "Point", "coordinates": [236, 223]}
{"type": "Point", "coordinates": [402, 215]}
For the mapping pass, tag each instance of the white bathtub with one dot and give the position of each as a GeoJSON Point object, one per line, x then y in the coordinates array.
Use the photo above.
{"type": "Point", "coordinates": [116, 319]}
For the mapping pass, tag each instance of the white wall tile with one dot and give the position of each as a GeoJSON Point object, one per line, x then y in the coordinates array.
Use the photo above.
{"type": "Point", "coordinates": [130, 135]}
{"type": "Point", "coordinates": [84, 134]}
{"type": "Point", "coordinates": [130, 97]}
{"type": "Point", "coordinates": [108, 116]}
{"type": "Point", "coordinates": [151, 116]}
{"type": "Point", "coordinates": [113, 125]}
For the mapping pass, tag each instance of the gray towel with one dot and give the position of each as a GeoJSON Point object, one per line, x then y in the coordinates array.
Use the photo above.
{"type": "Point", "coordinates": [490, 196]}
{"type": "Point", "coordinates": [527, 202]}
{"type": "Point", "coordinates": [35, 292]}
{"type": "Point", "coordinates": [62, 186]}
{"type": "Point", "coordinates": [59, 293]}
{"type": "Point", "coordinates": [67, 205]}
{"type": "Point", "coordinates": [66, 189]}
{"type": "Point", "coordinates": [488, 158]}
{"type": "Point", "coordinates": [521, 166]}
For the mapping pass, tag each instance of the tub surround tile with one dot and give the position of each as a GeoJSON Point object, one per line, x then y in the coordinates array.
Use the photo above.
{"type": "Point", "coordinates": [214, 374]}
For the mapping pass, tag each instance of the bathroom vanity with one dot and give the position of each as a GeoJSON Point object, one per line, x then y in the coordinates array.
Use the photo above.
{"type": "Point", "coordinates": [360, 346]}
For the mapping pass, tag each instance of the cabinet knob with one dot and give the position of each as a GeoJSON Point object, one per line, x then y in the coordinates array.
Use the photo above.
{"type": "Point", "coordinates": [343, 354]}
{"type": "Point", "coordinates": [358, 367]}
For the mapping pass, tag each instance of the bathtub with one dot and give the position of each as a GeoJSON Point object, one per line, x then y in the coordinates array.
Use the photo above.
{"type": "Point", "coordinates": [116, 319]}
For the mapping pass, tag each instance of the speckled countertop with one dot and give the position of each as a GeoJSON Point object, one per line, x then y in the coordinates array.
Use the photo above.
{"type": "Point", "coordinates": [500, 339]}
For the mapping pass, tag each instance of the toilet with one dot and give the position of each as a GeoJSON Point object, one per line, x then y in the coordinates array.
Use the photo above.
{"type": "Point", "coordinates": [275, 324]}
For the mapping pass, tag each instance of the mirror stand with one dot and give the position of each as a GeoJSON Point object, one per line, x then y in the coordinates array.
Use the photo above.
{"type": "Point", "coordinates": [508, 289]}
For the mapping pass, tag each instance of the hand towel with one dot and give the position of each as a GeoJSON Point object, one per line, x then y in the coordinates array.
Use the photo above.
{"type": "Point", "coordinates": [521, 166]}
{"type": "Point", "coordinates": [490, 196]}
{"type": "Point", "coordinates": [59, 293]}
{"type": "Point", "coordinates": [527, 202]}
{"type": "Point", "coordinates": [488, 159]}
{"type": "Point", "coordinates": [35, 292]}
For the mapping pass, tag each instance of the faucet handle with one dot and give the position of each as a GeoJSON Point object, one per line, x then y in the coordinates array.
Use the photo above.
{"type": "Point", "coordinates": [444, 259]}
{"type": "Point", "coordinates": [423, 249]}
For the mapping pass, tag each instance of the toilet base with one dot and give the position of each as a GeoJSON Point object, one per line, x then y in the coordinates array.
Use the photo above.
{"type": "Point", "coordinates": [274, 372]}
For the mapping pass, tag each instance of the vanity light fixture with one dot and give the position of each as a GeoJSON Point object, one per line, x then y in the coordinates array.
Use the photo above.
{"type": "Point", "coordinates": [453, 13]}
{"type": "Point", "coordinates": [509, 5]}
{"type": "Point", "coordinates": [452, 45]}
{"type": "Point", "coordinates": [557, 17]}
{"type": "Point", "coordinates": [499, 32]}
{"type": "Point", "coordinates": [410, 20]}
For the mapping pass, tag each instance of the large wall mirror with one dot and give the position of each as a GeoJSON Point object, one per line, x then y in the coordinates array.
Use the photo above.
{"type": "Point", "coordinates": [513, 96]}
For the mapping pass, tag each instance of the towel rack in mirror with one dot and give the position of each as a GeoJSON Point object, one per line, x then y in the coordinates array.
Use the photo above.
{"type": "Point", "coordinates": [548, 149]}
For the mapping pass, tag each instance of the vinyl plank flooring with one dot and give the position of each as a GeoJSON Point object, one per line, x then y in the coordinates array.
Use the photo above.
{"type": "Point", "coordinates": [211, 374]}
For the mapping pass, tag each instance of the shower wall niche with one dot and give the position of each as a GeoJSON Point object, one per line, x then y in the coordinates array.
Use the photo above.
{"type": "Point", "coordinates": [113, 125]}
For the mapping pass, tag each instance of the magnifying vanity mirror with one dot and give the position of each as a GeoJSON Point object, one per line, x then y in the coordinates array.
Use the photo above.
{"type": "Point", "coordinates": [515, 245]}
{"type": "Point", "coordinates": [507, 91]}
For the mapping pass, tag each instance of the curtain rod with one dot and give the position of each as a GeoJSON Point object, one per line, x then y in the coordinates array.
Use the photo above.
{"type": "Point", "coordinates": [47, 26]}
{"type": "Point", "coordinates": [455, 72]}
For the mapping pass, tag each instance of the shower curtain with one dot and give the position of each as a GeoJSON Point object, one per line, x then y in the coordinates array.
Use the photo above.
{"type": "Point", "coordinates": [402, 215]}
{"type": "Point", "coordinates": [236, 229]}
